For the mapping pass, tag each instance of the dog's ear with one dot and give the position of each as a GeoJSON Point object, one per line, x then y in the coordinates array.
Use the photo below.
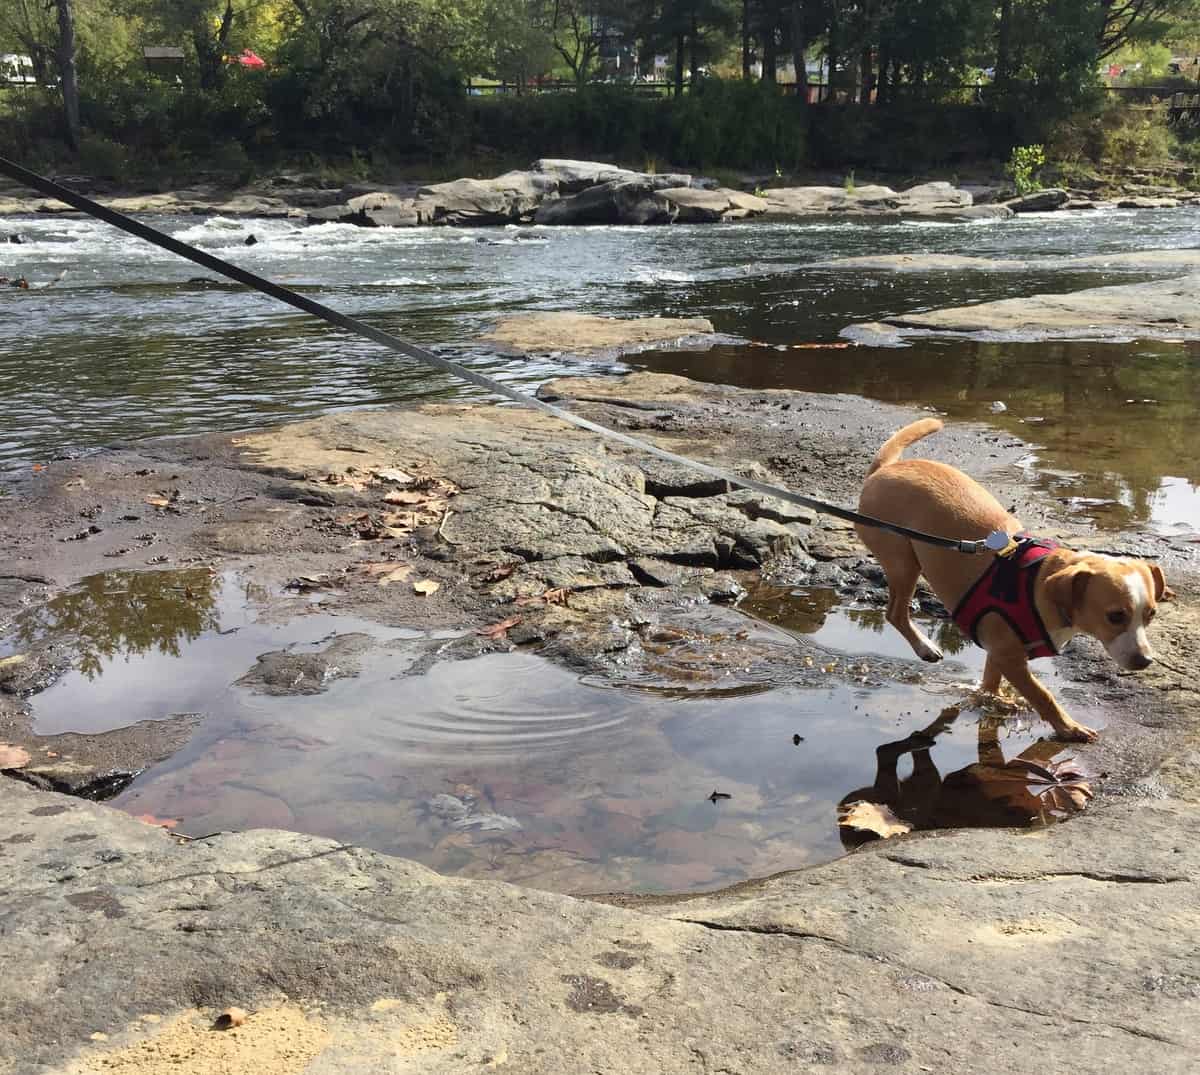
{"type": "Point", "coordinates": [1067, 586]}
{"type": "Point", "coordinates": [1162, 592]}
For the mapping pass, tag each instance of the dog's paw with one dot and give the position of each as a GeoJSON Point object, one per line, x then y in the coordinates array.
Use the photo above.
{"type": "Point", "coordinates": [930, 653]}
{"type": "Point", "coordinates": [1076, 733]}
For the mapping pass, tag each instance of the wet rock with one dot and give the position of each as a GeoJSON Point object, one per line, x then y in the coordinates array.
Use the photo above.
{"type": "Point", "coordinates": [586, 333]}
{"type": "Point", "coordinates": [1166, 260]}
{"type": "Point", "coordinates": [722, 588]}
{"type": "Point", "coordinates": [1040, 201]}
{"type": "Point", "coordinates": [286, 672]}
{"type": "Point", "coordinates": [378, 209]}
{"type": "Point", "coordinates": [869, 200]}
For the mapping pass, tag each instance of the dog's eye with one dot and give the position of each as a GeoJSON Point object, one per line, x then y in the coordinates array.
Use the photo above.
{"type": "Point", "coordinates": [1116, 617]}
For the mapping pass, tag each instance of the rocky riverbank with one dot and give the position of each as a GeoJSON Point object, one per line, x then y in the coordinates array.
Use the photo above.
{"type": "Point", "coordinates": [919, 953]}
{"type": "Point", "coordinates": [560, 192]}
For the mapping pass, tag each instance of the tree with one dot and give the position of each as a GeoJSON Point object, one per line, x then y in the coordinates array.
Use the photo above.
{"type": "Point", "coordinates": [65, 54]}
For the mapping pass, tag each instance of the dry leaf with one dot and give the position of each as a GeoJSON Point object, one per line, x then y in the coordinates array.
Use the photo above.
{"type": "Point", "coordinates": [12, 757]}
{"type": "Point", "coordinates": [556, 597]}
{"type": "Point", "coordinates": [393, 475]}
{"type": "Point", "coordinates": [75, 483]}
{"type": "Point", "coordinates": [427, 587]}
{"type": "Point", "coordinates": [501, 571]}
{"type": "Point", "coordinates": [158, 501]}
{"type": "Point", "coordinates": [871, 817]}
{"type": "Point", "coordinates": [405, 496]}
{"type": "Point", "coordinates": [398, 574]}
{"type": "Point", "coordinates": [161, 822]}
{"type": "Point", "coordinates": [499, 630]}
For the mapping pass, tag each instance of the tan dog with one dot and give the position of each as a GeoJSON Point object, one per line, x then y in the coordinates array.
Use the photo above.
{"type": "Point", "coordinates": [1111, 599]}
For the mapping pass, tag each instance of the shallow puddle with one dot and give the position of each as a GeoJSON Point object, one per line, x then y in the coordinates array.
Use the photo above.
{"type": "Point", "coordinates": [719, 750]}
{"type": "Point", "coordinates": [1112, 422]}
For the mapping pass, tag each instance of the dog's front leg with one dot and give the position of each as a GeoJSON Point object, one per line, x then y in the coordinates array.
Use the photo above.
{"type": "Point", "coordinates": [1016, 671]}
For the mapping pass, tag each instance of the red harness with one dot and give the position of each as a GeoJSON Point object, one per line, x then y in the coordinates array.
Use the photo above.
{"type": "Point", "coordinates": [1006, 588]}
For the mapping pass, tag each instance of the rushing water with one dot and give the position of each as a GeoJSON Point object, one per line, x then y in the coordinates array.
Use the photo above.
{"type": "Point", "coordinates": [124, 346]}
{"type": "Point", "coordinates": [508, 766]}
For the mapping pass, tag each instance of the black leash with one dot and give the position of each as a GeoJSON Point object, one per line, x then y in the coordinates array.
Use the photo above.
{"type": "Point", "coordinates": [421, 354]}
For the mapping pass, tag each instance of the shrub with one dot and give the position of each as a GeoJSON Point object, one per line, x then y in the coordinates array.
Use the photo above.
{"type": "Point", "coordinates": [1023, 166]}
{"type": "Point", "coordinates": [102, 157]}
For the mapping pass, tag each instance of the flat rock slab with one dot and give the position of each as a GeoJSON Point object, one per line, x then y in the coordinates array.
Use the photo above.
{"type": "Point", "coordinates": [1186, 260]}
{"type": "Point", "coordinates": [587, 334]}
{"type": "Point", "coordinates": [1156, 310]}
{"type": "Point", "coordinates": [918, 955]}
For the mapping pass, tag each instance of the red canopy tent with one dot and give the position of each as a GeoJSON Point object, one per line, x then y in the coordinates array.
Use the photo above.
{"type": "Point", "coordinates": [250, 59]}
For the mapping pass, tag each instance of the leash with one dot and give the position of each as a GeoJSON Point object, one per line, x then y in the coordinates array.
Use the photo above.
{"type": "Point", "coordinates": [994, 542]}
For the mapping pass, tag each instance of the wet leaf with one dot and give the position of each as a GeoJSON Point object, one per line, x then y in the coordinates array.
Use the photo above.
{"type": "Point", "coordinates": [392, 474]}
{"type": "Point", "coordinates": [308, 583]}
{"type": "Point", "coordinates": [12, 757]}
{"type": "Point", "coordinates": [548, 597]}
{"type": "Point", "coordinates": [427, 587]}
{"type": "Point", "coordinates": [871, 817]}
{"type": "Point", "coordinates": [499, 630]}
{"type": "Point", "coordinates": [160, 822]}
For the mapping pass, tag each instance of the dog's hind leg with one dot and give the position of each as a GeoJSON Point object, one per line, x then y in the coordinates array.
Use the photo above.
{"type": "Point", "coordinates": [900, 565]}
{"type": "Point", "coordinates": [991, 676]}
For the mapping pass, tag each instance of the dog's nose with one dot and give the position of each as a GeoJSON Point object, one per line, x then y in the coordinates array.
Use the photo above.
{"type": "Point", "coordinates": [1140, 661]}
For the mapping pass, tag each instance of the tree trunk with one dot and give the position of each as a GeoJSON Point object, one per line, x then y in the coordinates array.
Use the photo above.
{"type": "Point", "coordinates": [66, 70]}
{"type": "Point", "coordinates": [679, 47]}
{"type": "Point", "coordinates": [883, 87]}
{"type": "Point", "coordinates": [832, 50]}
{"type": "Point", "coordinates": [770, 52]}
{"type": "Point", "coordinates": [799, 47]}
{"type": "Point", "coordinates": [746, 40]}
{"type": "Point", "coordinates": [694, 40]}
{"type": "Point", "coordinates": [866, 73]}
{"type": "Point", "coordinates": [1004, 46]}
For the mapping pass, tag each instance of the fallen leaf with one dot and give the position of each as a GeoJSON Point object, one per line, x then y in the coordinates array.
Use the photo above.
{"type": "Point", "coordinates": [37, 467]}
{"type": "Point", "coordinates": [13, 757]}
{"type": "Point", "coordinates": [427, 587]}
{"type": "Point", "coordinates": [499, 630]}
{"type": "Point", "coordinates": [821, 346]}
{"type": "Point", "coordinates": [398, 574]}
{"type": "Point", "coordinates": [501, 571]}
{"type": "Point", "coordinates": [160, 822]}
{"type": "Point", "coordinates": [307, 583]}
{"type": "Point", "coordinates": [871, 817]}
{"type": "Point", "coordinates": [158, 501]}
{"type": "Point", "coordinates": [405, 496]}
{"type": "Point", "coordinates": [158, 560]}
{"type": "Point", "coordinates": [392, 474]}
{"type": "Point", "coordinates": [75, 483]}
{"type": "Point", "coordinates": [556, 597]}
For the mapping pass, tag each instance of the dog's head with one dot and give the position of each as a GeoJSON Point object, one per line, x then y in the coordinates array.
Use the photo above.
{"type": "Point", "coordinates": [1112, 599]}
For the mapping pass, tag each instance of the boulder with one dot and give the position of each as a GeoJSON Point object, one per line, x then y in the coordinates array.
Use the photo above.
{"type": "Point", "coordinates": [964, 215]}
{"type": "Point", "coordinates": [571, 177]}
{"type": "Point", "coordinates": [935, 197]}
{"type": "Point", "coordinates": [375, 210]}
{"type": "Point", "coordinates": [701, 206]}
{"type": "Point", "coordinates": [504, 200]}
{"type": "Point", "coordinates": [1040, 201]}
{"type": "Point", "coordinates": [1147, 203]}
{"type": "Point", "coordinates": [636, 201]}
{"type": "Point", "coordinates": [805, 201]}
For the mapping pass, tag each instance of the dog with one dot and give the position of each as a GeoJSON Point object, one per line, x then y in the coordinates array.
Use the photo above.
{"type": "Point", "coordinates": [1025, 602]}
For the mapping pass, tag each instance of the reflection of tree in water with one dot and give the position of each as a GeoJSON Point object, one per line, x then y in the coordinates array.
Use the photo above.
{"type": "Point", "coordinates": [948, 637]}
{"type": "Point", "coordinates": [126, 612]}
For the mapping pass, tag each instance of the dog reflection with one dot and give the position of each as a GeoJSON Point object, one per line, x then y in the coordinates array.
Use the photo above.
{"type": "Point", "coordinates": [991, 792]}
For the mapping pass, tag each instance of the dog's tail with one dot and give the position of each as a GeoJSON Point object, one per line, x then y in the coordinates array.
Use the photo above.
{"type": "Point", "coordinates": [894, 447]}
